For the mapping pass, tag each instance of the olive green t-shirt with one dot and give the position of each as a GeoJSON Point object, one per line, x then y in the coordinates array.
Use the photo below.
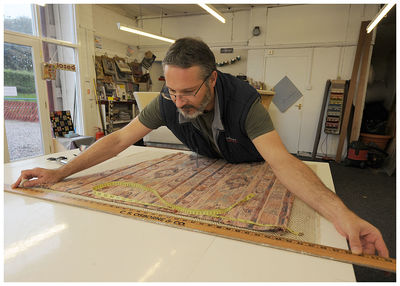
{"type": "Point", "coordinates": [258, 121]}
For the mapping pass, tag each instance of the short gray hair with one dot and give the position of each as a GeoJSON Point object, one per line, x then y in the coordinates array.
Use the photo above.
{"type": "Point", "coordinates": [189, 52]}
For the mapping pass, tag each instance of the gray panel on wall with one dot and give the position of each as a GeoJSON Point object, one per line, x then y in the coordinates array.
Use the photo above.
{"type": "Point", "coordinates": [286, 94]}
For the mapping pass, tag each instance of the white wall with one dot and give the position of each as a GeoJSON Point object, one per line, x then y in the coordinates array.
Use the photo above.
{"type": "Point", "coordinates": [85, 35]}
{"type": "Point", "coordinates": [328, 32]}
{"type": "Point", "coordinates": [204, 27]}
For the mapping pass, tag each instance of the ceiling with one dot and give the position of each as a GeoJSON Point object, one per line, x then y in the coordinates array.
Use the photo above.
{"type": "Point", "coordinates": [138, 11]}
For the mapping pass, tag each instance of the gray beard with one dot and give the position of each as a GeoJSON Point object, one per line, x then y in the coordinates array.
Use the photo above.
{"type": "Point", "coordinates": [198, 110]}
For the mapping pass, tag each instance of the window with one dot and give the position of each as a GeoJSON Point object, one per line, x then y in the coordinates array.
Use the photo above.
{"type": "Point", "coordinates": [27, 50]}
{"type": "Point", "coordinates": [62, 90]}
{"type": "Point", "coordinates": [21, 114]}
{"type": "Point", "coordinates": [18, 18]}
{"type": "Point", "coordinates": [57, 22]}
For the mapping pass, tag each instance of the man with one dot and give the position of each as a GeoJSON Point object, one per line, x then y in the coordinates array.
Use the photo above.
{"type": "Point", "coordinates": [219, 116]}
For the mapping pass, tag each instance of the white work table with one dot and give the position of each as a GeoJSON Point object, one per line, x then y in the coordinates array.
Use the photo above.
{"type": "Point", "coordinates": [48, 241]}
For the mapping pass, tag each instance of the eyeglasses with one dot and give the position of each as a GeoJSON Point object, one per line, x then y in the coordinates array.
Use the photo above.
{"type": "Point", "coordinates": [167, 94]}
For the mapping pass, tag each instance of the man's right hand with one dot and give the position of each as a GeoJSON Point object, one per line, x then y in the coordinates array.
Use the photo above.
{"type": "Point", "coordinates": [104, 149]}
{"type": "Point", "coordinates": [37, 176]}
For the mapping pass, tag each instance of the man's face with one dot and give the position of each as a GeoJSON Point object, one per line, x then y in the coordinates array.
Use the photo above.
{"type": "Point", "coordinates": [184, 83]}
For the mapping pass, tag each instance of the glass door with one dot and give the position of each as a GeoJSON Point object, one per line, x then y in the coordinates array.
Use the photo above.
{"type": "Point", "coordinates": [25, 103]}
{"type": "Point", "coordinates": [21, 116]}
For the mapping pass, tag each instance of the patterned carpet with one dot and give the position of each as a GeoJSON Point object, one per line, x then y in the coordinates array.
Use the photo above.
{"type": "Point", "coordinates": [245, 195]}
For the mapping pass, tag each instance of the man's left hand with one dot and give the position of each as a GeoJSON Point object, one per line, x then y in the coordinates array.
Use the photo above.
{"type": "Point", "coordinates": [362, 236]}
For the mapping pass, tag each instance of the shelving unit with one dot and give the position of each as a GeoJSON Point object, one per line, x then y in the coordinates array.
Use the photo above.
{"type": "Point", "coordinates": [117, 114]}
{"type": "Point", "coordinates": [116, 81]}
{"type": "Point", "coordinates": [335, 107]}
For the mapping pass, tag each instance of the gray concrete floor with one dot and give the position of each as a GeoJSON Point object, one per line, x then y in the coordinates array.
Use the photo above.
{"type": "Point", "coordinates": [371, 195]}
{"type": "Point", "coordinates": [24, 139]}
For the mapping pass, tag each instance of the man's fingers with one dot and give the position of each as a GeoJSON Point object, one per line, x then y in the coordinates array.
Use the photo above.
{"type": "Point", "coordinates": [25, 176]}
{"type": "Point", "coordinates": [369, 248]}
{"type": "Point", "coordinates": [355, 244]}
{"type": "Point", "coordinates": [21, 181]}
{"type": "Point", "coordinates": [17, 182]}
{"type": "Point", "coordinates": [374, 243]}
{"type": "Point", "coordinates": [34, 177]}
{"type": "Point", "coordinates": [32, 183]}
{"type": "Point", "coordinates": [381, 247]}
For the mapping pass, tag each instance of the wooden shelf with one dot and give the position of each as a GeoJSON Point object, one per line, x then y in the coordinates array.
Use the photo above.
{"type": "Point", "coordinates": [266, 92]}
{"type": "Point", "coordinates": [266, 97]}
{"type": "Point", "coordinates": [121, 121]}
{"type": "Point", "coordinates": [117, 101]}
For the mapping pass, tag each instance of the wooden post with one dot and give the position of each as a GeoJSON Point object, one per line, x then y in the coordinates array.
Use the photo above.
{"type": "Point", "coordinates": [362, 87]}
{"type": "Point", "coordinates": [352, 90]}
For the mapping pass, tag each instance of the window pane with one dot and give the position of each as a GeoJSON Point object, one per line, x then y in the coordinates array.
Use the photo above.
{"type": "Point", "coordinates": [58, 22]}
{"type": "Point", "coordinates": [21, 116]}
{"type": "Point", "coordinates": [18, 18]}
{"type": "Point", "coordinates": [62, 88]}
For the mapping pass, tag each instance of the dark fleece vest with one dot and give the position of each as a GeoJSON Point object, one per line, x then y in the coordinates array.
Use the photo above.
{"type": "Point", "coordinates": [235, 98]}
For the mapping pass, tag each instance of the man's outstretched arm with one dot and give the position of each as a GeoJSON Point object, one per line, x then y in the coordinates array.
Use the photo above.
{"type": "Point", "coordinates": [301, 180]}
{"type": "Point", "coordinates": [102, 150]}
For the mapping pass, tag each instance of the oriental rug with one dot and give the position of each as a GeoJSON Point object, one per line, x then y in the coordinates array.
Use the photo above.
{"type": "Point", "coordinates": [240, 195]}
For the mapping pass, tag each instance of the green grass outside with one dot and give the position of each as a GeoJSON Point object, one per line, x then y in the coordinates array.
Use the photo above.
{"type": "Point", "coordinates": [22, 96]}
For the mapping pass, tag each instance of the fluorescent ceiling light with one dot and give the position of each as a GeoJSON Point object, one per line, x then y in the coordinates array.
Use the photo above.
{"type": "Point", "coordinates": [142, 33]}
{"type": "Point", "coordinates": [213, 12]}
{"type": "Point", "coordinates": [379, 16]}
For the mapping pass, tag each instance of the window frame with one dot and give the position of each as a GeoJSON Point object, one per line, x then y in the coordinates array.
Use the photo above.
{"type": "Point", "coordinates": [36, 41]}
